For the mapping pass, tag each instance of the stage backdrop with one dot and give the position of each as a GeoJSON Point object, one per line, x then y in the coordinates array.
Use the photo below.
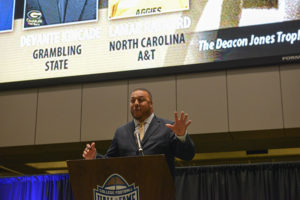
{"type": "Point", "coordinates": [274, 181]}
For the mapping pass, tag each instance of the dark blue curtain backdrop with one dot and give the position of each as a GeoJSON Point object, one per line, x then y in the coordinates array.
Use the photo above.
{"type": "Point", "coordinates": [270, 181]}
{"type": "Point", "coordinates": [42, 187]}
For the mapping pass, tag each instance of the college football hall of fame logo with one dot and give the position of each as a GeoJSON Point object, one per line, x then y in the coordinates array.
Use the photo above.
{"type": "Point", "coordinates": [116, 188]}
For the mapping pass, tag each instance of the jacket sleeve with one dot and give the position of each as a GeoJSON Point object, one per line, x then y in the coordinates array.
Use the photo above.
{"type": "Point", "coordinates": [113, 150]}
{"type": "Point", "coordinates": [183, 150]}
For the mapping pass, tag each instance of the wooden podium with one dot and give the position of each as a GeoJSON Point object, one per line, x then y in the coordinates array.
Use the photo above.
{"type": "Point", "coordinates": [135, 178]}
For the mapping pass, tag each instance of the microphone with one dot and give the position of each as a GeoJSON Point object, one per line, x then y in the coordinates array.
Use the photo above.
{"type": "Point", "coordinates": [138, 141]}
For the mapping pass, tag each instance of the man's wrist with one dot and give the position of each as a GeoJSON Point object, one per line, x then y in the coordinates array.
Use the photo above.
{"type": "Point", "coordinates": [182, 137]}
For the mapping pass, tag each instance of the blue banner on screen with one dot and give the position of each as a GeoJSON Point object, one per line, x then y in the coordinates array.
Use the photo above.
{"type": "Point", "coordinates": [6, 15]}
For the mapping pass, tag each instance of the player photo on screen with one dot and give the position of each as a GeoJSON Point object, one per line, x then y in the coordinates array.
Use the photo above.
{"type": "Point", "coordinates": [134, 8]}
{"type": "Point", "coordinates": [6, 15]}
{"type": "Point", "coordinates": [41, 13]}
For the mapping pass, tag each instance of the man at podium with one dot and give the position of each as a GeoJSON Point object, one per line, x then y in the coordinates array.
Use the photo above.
{"type": "Point", "coordinates": [148, 134]}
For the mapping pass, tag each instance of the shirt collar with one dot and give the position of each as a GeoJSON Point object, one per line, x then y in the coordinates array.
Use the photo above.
{"type": "Point", "coordinates": [148, 120]}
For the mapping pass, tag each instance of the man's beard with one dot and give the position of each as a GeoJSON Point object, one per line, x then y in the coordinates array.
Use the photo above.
{"type": "Point", "coordinates": [144, 114]}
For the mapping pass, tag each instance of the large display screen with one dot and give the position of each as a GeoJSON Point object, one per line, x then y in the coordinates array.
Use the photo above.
{"type": "Point", "coordinates": [88, 40]}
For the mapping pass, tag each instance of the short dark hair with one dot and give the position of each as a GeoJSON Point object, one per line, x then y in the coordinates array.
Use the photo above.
{"type": "Point", "coordinates": [143, 89]}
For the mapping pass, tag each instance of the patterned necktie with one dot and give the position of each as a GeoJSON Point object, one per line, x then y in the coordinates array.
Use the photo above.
{"type": "Point", "coordinates": [141, 130]}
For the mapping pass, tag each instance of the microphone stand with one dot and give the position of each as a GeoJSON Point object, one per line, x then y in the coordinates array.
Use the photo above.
{"type": "Point", "coordinates": [138, 141]}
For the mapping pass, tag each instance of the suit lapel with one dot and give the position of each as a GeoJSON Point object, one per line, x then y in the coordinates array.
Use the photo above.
{"type": "Point", "coordinates": [130, 132]}
{"type": "Point", "coordinates": [151, 129]}
{"type": "Point", "coordinates": [74, 9]}
{"type": "Point", "coordinates": [50, 11]}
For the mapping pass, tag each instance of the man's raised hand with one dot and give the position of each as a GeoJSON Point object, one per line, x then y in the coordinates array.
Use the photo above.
{"type": "Point", "coordinates": [89, 152]}
{"type": "Point", "coordinates": [180, 125]}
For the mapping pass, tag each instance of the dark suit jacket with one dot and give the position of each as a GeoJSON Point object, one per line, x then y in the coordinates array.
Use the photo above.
{"type": "Point", "coordinates": [76, 10]}
{"type": "Point", "coordinates": [158, 139]}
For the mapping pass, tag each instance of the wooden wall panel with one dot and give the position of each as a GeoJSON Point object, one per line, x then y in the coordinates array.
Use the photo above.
{"type": "Point", "coordinates": [254, 99]}
{"type": "Point", "coordinates": [104, 109]}
{"type": "Point", "coordinates": [290, 84]}
{"type": "Point", "coordinates": [203, 97]}
{"type": "Point", "coordinates": [18, 117]}
{"type": "Point", "coordinates": [59, 113]}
